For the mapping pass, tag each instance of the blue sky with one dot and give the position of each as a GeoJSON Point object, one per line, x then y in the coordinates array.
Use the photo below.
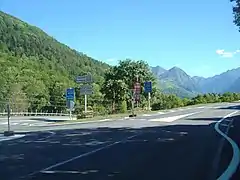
{"type": "Point", "coordinates": [197, 36]}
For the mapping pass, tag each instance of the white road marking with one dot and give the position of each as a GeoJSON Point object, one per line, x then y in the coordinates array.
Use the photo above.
{"type": "Point", "coordinates": [51, 134]}
{"type": "Point", "coordinates": [82, 155]}
{"type": "Point", "coordinates": [172, 118]}
{"type": "Point", "coordinates": [161, 113]}
{"type": "Point", "coordinates": [4, 123]}
{"type": "Point", "coordinates": [147, 115]}
{"type": "Point", "coordinates": [8, 138]}
{"type": "Point", "coordinates": [232, 167]}
{"type": "Point", "coordinates": [70, 172]}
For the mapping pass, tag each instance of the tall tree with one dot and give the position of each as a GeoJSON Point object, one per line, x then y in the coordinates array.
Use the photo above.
{"type": "Point", "coordinates": [114, 87]}
{"type": "Point", "coordinates": [236, 12]}
{"type": "Point", "coordinates": [120, 79]}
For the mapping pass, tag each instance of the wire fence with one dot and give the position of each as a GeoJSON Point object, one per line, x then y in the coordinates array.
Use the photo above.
{"type": "Point", "coordinates": [25, 107]}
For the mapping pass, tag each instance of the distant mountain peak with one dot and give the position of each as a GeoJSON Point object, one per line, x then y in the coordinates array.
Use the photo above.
{"type": "Point", "coordinates": [158, 70]}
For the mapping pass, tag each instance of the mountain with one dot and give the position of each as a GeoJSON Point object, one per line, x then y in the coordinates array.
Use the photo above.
{"type": "Point", "coordinates": [180, 78]}
{"type": "Point", "coordinates": [157, 71]}
{"type": "Point", "coordinates": [36, 67]}
{"type": "Point", "coordinates": [176, 81]}
{"type": "Point", "coordinates": [220, 83]}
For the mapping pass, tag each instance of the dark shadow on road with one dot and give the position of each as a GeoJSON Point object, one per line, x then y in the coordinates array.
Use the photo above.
{"type": "Point", "coordinates": [205, 119]}
{"type": "Point", "coordinates": [237, 107]}
{"type": "Point", "coordinates": [47, 120]}
{"type": "Point", "coordinates": [183, 152]}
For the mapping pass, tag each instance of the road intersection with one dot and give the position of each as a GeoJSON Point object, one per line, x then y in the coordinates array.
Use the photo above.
{"type": "Point", "coordinates": [179, 144]}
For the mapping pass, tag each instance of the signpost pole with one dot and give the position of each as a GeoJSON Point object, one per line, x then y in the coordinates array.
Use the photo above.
{"type": "Point", "coordinates": [133, 103]}
{"type": "Point", "coordinates": [148, 89]}
{"type": "Point", "coordinates": [149, 101]}
{"type": "Point", "coordinates": [8, 109]}
{"type": "Point", "coordinates": [85, 104]}
{"type": "Point", "coordinates": [70, 114]}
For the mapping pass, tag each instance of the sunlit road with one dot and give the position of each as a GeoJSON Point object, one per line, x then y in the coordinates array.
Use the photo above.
{"type": "Point", "coordinates": [183, 144]}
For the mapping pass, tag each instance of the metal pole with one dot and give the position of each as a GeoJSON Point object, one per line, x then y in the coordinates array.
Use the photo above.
{"type": "Point", "coordinates": [149, 102]}
{"type": "Point", "coordinates": [8, 109]}
{"type": "Point", "coordinates": [85, 104]}
{"type": "Point", "coordinates": [133, 103]}
{"type": "Point", "coordinates": [70, 114]}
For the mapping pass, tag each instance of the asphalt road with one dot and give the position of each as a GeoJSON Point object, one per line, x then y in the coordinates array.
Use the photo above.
{"type": "Point", "coordinates": [176, 145]}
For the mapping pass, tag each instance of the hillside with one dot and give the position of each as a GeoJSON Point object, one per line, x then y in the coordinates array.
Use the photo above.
{"type": "Point", "coordinates": [176, 81]}
{"type": "Point", "coordinates": [35, 68]}
{"type": "Point", "coordinates": [235, 87]}
{"type": "Point", "coordinates": [220, 83]}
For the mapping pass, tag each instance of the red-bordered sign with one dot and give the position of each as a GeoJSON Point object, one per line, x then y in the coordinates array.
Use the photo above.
{"type": "Point", "coordinates": [137, 87]}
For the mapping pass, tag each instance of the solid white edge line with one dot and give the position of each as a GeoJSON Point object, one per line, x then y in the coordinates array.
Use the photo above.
{"type": "Point", "coordinates": [80, 156]}
{"type": "Point", "coordinates": [9, 138]}
{"type": "Point", "coordinates": [232, 167]}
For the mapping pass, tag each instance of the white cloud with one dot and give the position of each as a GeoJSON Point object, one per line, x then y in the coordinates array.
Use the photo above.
{"type": "Point", "coordinates": [223, 53]}
{"type": "Point", "coordinates": [111, 60]}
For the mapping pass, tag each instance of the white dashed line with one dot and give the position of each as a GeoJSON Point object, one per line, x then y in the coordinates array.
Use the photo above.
{"type": "Point", "coordinates": [82, 155]}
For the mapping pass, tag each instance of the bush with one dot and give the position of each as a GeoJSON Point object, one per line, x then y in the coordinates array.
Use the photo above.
{"type": "Point", "coordinates": [156, 106]}
{"type": "Point", "coordinates": [123, 107]}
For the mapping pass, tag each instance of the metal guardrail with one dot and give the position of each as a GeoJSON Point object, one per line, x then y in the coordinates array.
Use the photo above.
{"type": "Point", "coordinates": [34, 114]}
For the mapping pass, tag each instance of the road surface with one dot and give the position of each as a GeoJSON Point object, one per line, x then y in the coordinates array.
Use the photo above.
{"type": "Point", "coordinates": [183, 144]}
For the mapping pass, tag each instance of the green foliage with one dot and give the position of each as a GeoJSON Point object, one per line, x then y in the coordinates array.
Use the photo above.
{"type": "Point", "coordinates": [236, 12]}
{"type": "Point", "coordinates": [35, 69]}
{"type": "Point", "coordinates": [120, 79]}
{"type": "Point", "coordinates": [171, 101]}
{"type": "Point", "coordinates": [123, 106]}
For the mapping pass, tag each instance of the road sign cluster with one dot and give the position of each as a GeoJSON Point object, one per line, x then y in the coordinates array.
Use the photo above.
{"type": "Point", "coordinates": [85, 89]}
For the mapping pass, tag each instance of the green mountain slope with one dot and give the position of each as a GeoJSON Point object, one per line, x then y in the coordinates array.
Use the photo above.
{"type": "Point", "coordinates": [169, 87]}
{"type": "Point", "coordinates": [35, 68]}
{"type": "Point", "coordinates": [176, 81]}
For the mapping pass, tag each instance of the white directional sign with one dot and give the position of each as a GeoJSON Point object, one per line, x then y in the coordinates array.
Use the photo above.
{"type": "Point", "coordinates": [80, 79]}
{"type": "Point", "coordinates": [86, 78]}
{"type": "Point", "coordinates": [86, 89]}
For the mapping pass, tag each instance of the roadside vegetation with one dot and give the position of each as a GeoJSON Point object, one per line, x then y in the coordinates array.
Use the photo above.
{"type": "Point", "coordinates": [35, 70]}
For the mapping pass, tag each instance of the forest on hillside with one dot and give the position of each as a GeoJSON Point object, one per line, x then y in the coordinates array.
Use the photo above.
{"type": "Point", "coordinates": [36, 69]}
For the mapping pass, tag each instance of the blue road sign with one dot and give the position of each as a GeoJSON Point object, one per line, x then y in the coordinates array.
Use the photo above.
{"type": "Point", "coordinates": [70, 94]}
{"type": "Point", "coordinates": [148, 86]}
